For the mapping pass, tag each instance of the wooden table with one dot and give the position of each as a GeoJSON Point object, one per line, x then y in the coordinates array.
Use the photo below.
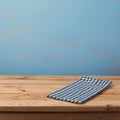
{"type": "Point", "coordinates": [24, 97]}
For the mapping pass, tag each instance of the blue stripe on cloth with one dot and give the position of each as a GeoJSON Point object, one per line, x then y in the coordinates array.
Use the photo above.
{"type": "Point", "coordinates": [80, 90]}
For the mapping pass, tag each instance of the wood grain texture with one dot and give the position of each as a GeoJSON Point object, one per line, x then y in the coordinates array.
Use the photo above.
{"type": "Point", "coordinates": [60, 116]}
{"type": "Point", "coordinates": [28, 94]}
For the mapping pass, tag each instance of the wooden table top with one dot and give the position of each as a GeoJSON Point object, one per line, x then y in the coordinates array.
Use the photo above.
{"type": "Point", "coordinates": [28, 94]}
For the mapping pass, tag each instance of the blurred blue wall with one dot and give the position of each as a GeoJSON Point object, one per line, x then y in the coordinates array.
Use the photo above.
{"type": "Point", "coordinates": [60, 37]}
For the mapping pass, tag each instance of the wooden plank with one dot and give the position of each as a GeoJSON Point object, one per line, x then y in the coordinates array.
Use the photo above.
{"type": "Point", "coordinates": [60, 116]}
{"type": "Point", "coordinates": [28, 94]}
{"type": "Point", "coordinates": [6, 77]}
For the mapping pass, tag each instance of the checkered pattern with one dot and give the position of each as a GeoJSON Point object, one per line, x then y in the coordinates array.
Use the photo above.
{"type": "Point", "coordinates": [80, 90]}
{"type": "Point", "coordinates": [90, 80]}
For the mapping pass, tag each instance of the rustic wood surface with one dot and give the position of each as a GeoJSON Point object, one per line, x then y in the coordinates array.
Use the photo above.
{"type": "Point", "coordinates": [28, 94]}
{"type": "Point", "coordinates": [60, 116]}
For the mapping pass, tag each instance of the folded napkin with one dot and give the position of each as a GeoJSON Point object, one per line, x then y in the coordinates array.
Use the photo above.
{"type": "Point", "coordinates": [80, 90]}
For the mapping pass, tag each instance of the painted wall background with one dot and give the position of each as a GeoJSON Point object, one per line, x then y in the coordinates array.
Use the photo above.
{"type": "Point", "coordinates": [60, 37]}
